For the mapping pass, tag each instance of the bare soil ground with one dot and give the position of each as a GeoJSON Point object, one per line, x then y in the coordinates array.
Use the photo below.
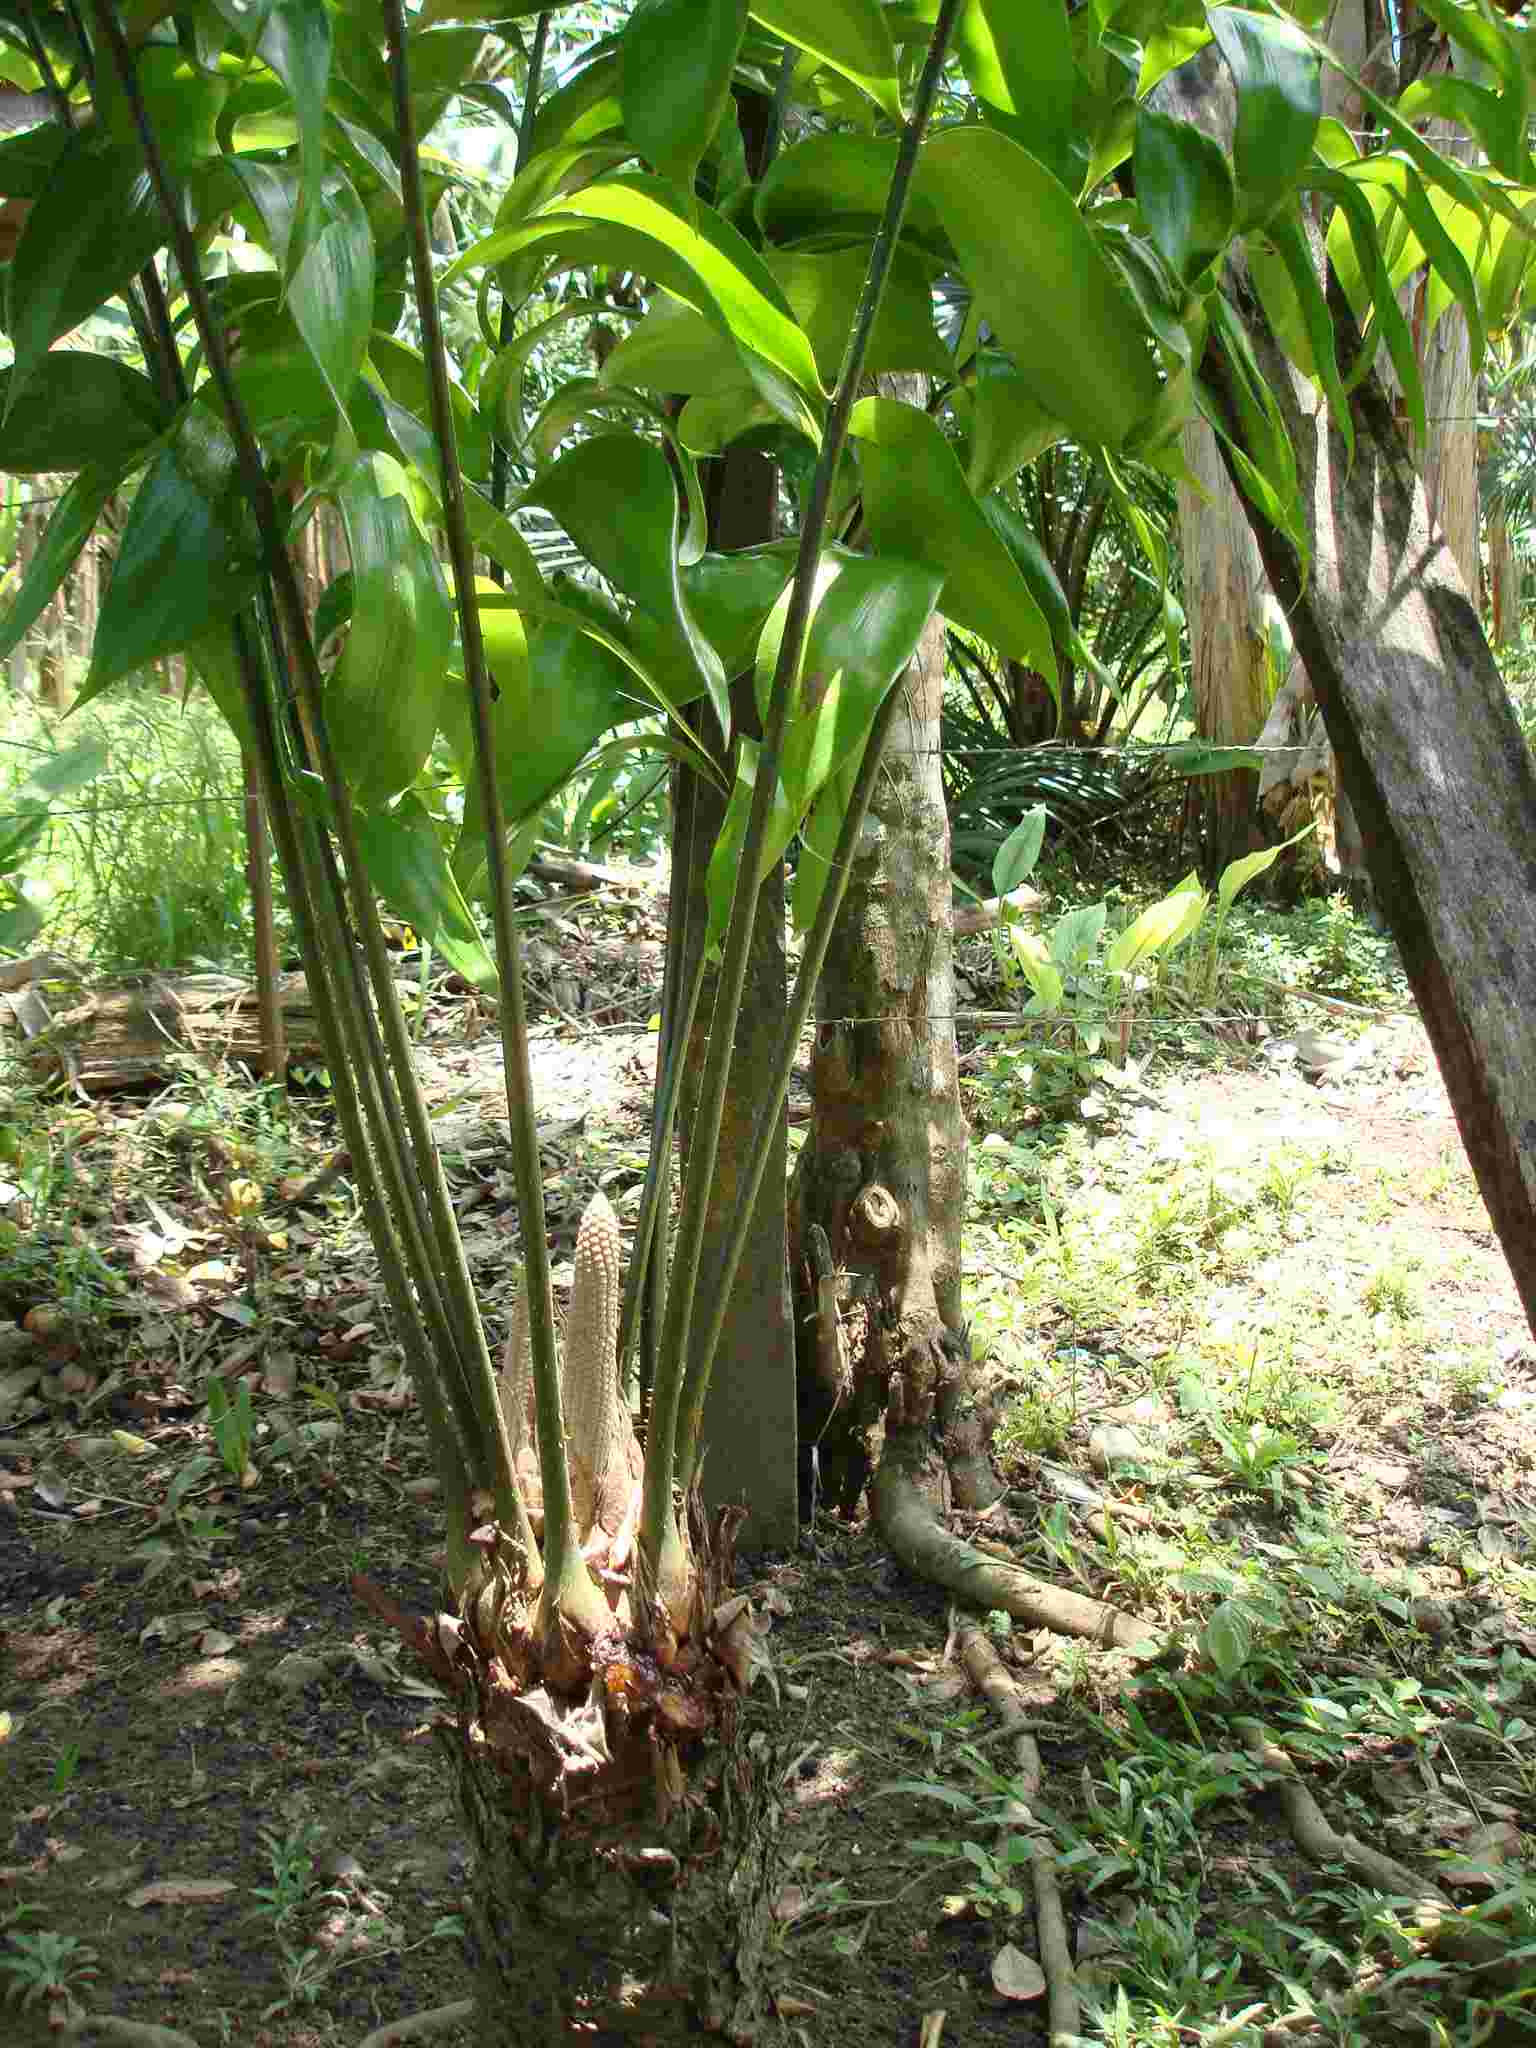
{"type": "Point", "coordinates": [197, 1705]}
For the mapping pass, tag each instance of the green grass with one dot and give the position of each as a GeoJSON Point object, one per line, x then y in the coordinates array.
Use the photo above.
{"type": "Point", "coordinates": [146, 864]}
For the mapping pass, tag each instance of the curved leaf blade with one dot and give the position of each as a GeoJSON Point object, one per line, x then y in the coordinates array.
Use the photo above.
{"type": "Point", "coordinates": [676, 58]}
{"type": "Point", "coordinates": [852, 36]}
{"type": "Point", "coordinates": [77, 410]}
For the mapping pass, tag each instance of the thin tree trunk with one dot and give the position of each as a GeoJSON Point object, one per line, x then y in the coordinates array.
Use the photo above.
{"type": "Point", "coordinates": [1505, 581]}
{"type": "Point", "coordinates": [258, 869]}
{"type": "Point", "coordinates": [1224, 591]}
{"type": "Point", "coordinates": [879, 1195]}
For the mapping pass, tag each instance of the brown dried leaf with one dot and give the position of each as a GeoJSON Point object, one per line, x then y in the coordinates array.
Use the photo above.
{"type": "Point", "coordinates": [1016, 1975]}
{"type": "Point", "coordinates": [181, 1891]}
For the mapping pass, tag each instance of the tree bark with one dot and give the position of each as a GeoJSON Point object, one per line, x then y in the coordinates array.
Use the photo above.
{"type": "Point", "coordinates": [1224, 591]}
{"type": "Point", "coordinates": [878, 1201]}
{"type": "Point", "coordinates": [1441, 781]}
{"type": "Point", "coordinates": [1505, 581]}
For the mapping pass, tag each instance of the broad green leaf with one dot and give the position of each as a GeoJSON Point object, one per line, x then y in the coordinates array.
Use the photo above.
{"type": "Point", "coordinates": [1016, 859]}
{"type": "Point", "coordinates": [384, 698]}
{"type": "Point", "coordinates": [1076, 935]}
{"type": "Point", "coordinates": [836, 184]}
{"type": "Point", "coordinates": [852, 36]}
{"type": "Point", "coordinates": [1038, 968]}
{"type": "Point", "coordinates": [1279, 103]}
{"type": "Point", "coordinates": [676, 58]}
{"type": "Point", "coordinates": [712, 420]}
{"type": "Point", "coordinates": [1227, 1638]}
{"type": "Point", "coordinates": [674, 349]}
{"type": "Point", "coordinates": [1160, 927]}
{"type": "Point", "coordinates": [66, 533]}
{"type": "Point", "coordinates": [77, 409]}
{"type": "Point", "coordinates": [558, 689]}
{"type": "Point", "coordinates": [1039, 573]}
{"type": "Point", "coordinates": [403, 374]}
{"type": "Point", "coordinates": [1043, 283]}
{"type": "Point", "coordinates": [330, 293]}
{"type": "Point", "coordinates": [640, 223]}
{"type": "Point", "coordinates": [1239, 873]}
{"type": "Point", "coordinates": [293, 37]}
{"type": "Point", "coordinates": [94, 227]}
{"type": "Point", "coordinates": [917, 505]}
{"type": "Point", "coordinates": [189, 554]}
{"type": "Point", "coordinates": [182, 100]}
{"type": "Point", "coordinates": [1184, 190]}
{"type": "Point", "coordinates": [500, 391]}
{"type": "Point", "coordinates": [1498, 120]}
{"type": "Point", "coordinates": [615, 497]}
{"type": "Point", "coordinates": [1009, 427]}
{"type": "Point", "coordinates": [824, 287]}
{"type": "Point", "coordinates": [28, 161]}
{"type": "Point", "coordinates": [583, 109]}
{"type": "Point", "coordinates": [409, 867]}
{"type": "Point", "coordinates": [211, 658]}
{"type": "Point", "coordinates": [869, 614]}
{"type": "Point", "coordinates": [384, 425]}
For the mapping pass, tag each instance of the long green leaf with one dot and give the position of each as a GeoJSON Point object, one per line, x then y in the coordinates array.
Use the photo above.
{"type": "Point", "coordinates": [1044, 284]}
{"type": "Point", "coordinates": [615, 497]}
{"type": "Point", "coordinates": [331, 290]}
{"type": "Point", "coordinates": [409, 867]}
{"type": "Point", "coordinates": [639, 223]}
{"type": "Point", "coordinates": [189, 555]}
{"type": "Point", "coordinates": [853, 36]}
{"type": "Point", "coordinates": [1008, 425]}
{"type": "Point", "coordinates": [384, 699]}
{"type": "Point", "coordinates": [1279, 103]}
{"type": "Point", "coordinates": [836, 184]}
{"type": "Point", "coordinates": [1184, 189]}
{"type": "Point", "coordinates": [94, 227]}
{"type": "Point", "coordinates": [76, 410]}
{"type": "Point", "coordinates": [918, 506]}
{"type": "Point", "coordinates": [676, 58]}
{"type": "Point", "coordinates": [294, 38]}
{"type": "Point", "coordinates": [66, 533]}
{"type": "Point", "coordinates": [823, 287]}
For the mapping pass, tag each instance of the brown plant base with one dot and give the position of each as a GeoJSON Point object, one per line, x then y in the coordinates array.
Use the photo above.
{"type": "Point", "coordinates": [636, 1901]}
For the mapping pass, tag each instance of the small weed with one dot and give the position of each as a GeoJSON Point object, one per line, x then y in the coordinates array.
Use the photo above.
{"type": "Point", "coordinates": [1391, 1291]}
{"type": "Point", "coordinates": [1033, 1426]}
{"type": "Point", "coordinates": [47, 1965]}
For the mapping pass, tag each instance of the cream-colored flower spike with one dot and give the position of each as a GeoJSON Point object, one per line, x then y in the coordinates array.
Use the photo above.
{"type": "Point", "coordinates": [589, 1382]}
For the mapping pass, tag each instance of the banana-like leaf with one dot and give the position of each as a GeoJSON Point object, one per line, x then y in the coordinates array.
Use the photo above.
{"type": "Point", "coordinates": [823, 288]}
{"type": "Point", "coordinates": [584, 109]}
{"type": "Point", "coordinates": [293, 38]}
{"type": "Point", "coordinates": [615, 497]}
{"type": "Point", "coordinates": [869, 615]}
{"type": "Point", "coordinates": [674, 349]}
{"type": "Point", "coordinates": [189, 554]}
{"type": "Point", "coordinates": [1184, 189]}
{"type": "Point", "coordinates": [384, 698]}
{"type": "Point", "coordinates": [1043, 282]}
{"type": "Point", "coordinates": [409, 867]}
{"type": "Point", "coordinates": [1160, 928]}
{"type": "Point", "coordinates": [836, 184]}
{"type": "Point", "coordinates": [676, 59]}
{"type": "Point", "coordinates": [1035, 566]}
{"type": "Point", "coordinates": [918, 506]}
{"type": "Point", "coordinates": [583, 399]}
{"type": "Point", "coordinates": [500, 391]}
{"type": "Point", "coordinates": [95, 225]}
{"type": "Point", "coordinates": [642, 224]}
{"type": "Point", "coordinates": [1498, 120]}
{"type": "Point", "coordinates": [76, 410]}
{"type": "Point", "coordinates": [852, 36]}
{"type": "Point", "coordinates": [1279, 103]}
{"type": "Point", "coordinates": [74, 518]}
{"type": "Point", "coordinates": [28, 160]}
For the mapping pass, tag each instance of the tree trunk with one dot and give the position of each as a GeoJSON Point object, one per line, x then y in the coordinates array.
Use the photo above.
{"type": "Point", "coordinates": [1505, 582]}
{"type": "Point", "coordinates": [1440, 779]}
{"type": "Point", "coordinates": [1224, 590]}
{"type": "Point", "coordinates": [878, 1200]}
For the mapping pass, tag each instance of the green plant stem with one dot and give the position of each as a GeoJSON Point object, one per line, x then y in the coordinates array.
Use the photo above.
{"type": "Point", "coordinates": [771, 1106]}
{"type": "Point", "coordinates": [657, 1522]}
{"type": "Point", "coordinates": [568, 1586]}
{"type": "Point", "coordinates": [501, 460]}
{"type": "Point", "coordinates": [468, 1330]}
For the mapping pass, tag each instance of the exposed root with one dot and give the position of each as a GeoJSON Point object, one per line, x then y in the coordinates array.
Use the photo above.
{"type": "Point", "coordinates": [992, 1681]}
{"type": "Point", "coordinates": [421, 2025]}
{"type": "Point", "coordinates": [1317, 1837]}
{"type": "Point", "coordinates": [917, 1538]}
{"type": "Point", "coordinates": [106, 2026]}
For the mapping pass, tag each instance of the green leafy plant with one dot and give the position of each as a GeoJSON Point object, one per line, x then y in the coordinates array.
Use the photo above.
{"type": "Point", "coordinates": [46, 1965]}
{"type": "Point", "coordinates": [233, 1425]}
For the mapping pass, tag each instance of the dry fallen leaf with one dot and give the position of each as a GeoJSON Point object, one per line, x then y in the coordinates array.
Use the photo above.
{"type": "Point", "coordinates": [181, 1891]}
{"type": "Point", "coordinates": [1016, 1975]}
